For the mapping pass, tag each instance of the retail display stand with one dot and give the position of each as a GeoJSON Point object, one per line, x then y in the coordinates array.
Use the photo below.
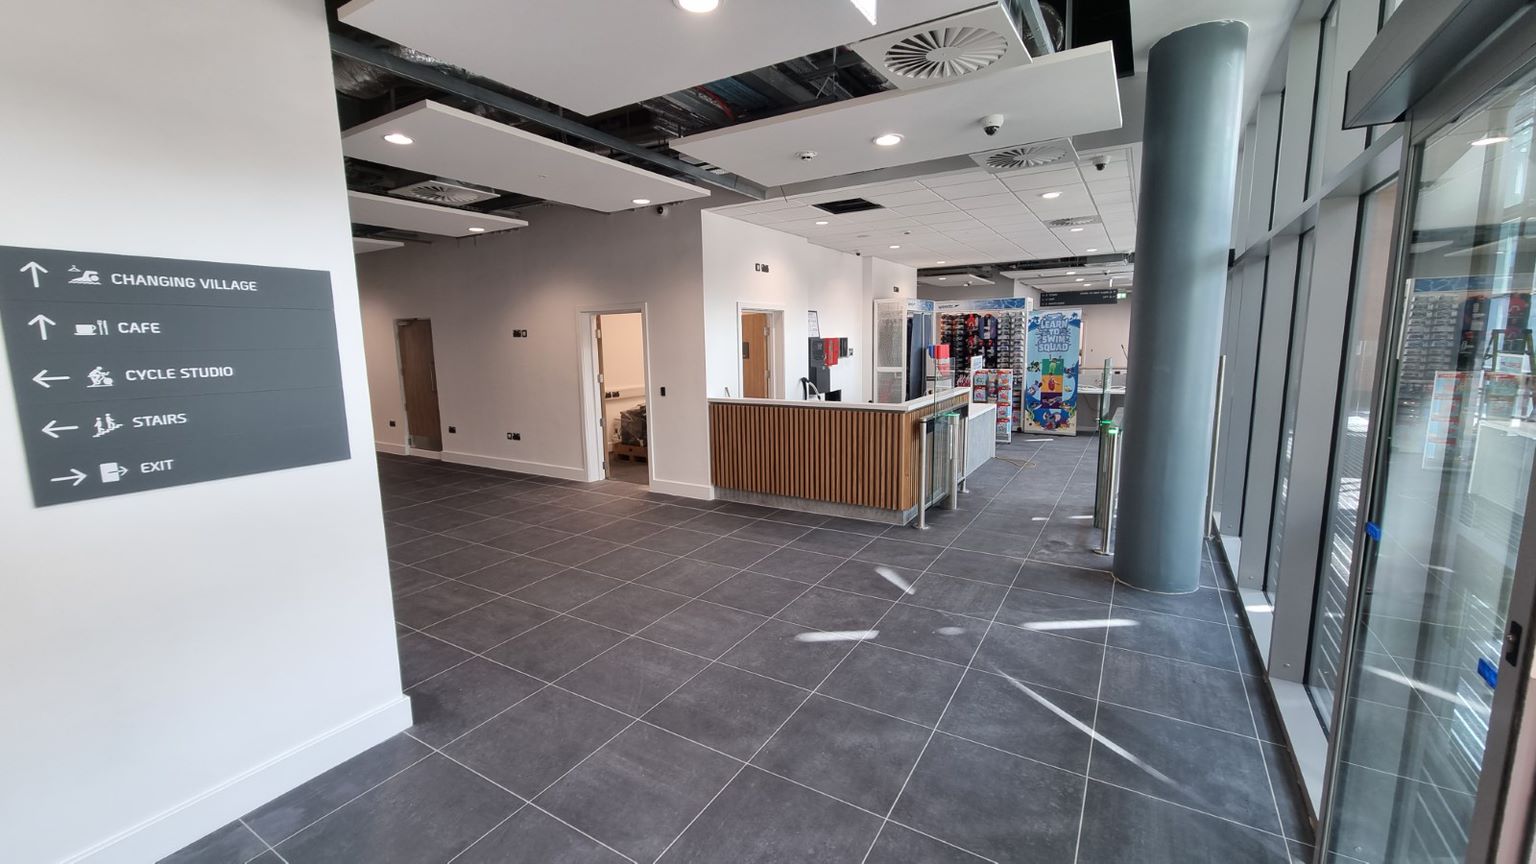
{"type": "Point", "coordinates": [1054, 360]}
{"type": "Point", "coordinates": [993, 330]}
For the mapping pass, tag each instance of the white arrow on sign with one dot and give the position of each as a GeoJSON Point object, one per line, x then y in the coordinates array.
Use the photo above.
{"type": "Point", "coordinates": [53, 429]}
{"type": "Point", "coordinates": [42, 323]}
{"type": "Point", "coordinates": [74, 474]}
{"type": "Point", "coordinates": [43, 378]}
{"type": "Point", "coordinates": [34, 268]}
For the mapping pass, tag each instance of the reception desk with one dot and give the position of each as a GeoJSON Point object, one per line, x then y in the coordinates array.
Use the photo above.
{"type": "Point", "coordinates": [860, 460]}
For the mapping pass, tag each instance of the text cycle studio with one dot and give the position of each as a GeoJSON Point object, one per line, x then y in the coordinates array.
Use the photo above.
{"type": "Point", "coordinates": [138, 373]}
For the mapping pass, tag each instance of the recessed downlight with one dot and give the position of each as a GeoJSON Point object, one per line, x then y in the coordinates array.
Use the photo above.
{"type": "Point", "coordinates": [895, 245]}
{"type": "Point", "coordinates": [821, 222]}
{"type": "Point", "coordinates": [1078, 279]}
{"type": "Point", "coordinates": [1087, 284]}
{"type": "Point", "coordinates": [475, 229]}
{"type": "Point", "coordinates": [1050, 196]}
{"type": "Point", "coordinates": [889, 139]}
{"type": "Point", "coordinates": [1071, 273]}
{"type": "Point", "coordinates": [1487, 140]}
{"type": "Point", "coordinates": [941, 262]}
{"type": "Point", "coordinates": [1095, 249]}
{"type": "Point", "coordinates": [698, 7]}
{"type": "Point", "coordinates": [399, 138]}
{"type": "Point", "coordinates": [640, 201]}
{"type": "Point", "coordinates": [1074, 230]}
{"type": "Point", "coordinates": [943, 278]}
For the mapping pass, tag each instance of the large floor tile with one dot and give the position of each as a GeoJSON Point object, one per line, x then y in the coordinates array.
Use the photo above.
{"type": "Point", "coordinates": [633, 676]}
{"type": "Point", "coordinates": [428, 813]}
{"type": "Point", "coordinates": [706, 629]}
{"type": "Point", "coordinates": [775, 533]}
{"type": "Point", "coordinates": [576, 551]}
{"type": "Point", "coordinates": [826, 609]}
{"type": "Point", "coordinates": [630, 608]}
{"type": "Point", "coordinates": [899, 553]}
{"type": "Point", "coordinates": [640, 791]}
{"type": "Point", "coordinates": [801, 565]}
{"type": "Point", "coordinates": [1205, 604]}
{"type": "Point", "coordinates": [1119, 826]}
{"type": "Point", "coordinates": [733, 552]}
{"type": "Point", "coordinates": [512, 574]}
{"type": "Point", "coordinates": [901, 845]}
{"type": "Point", "coordinates": [904, 685]}
{"type": "Point", "coordinates": [1188, 691]}
{"type": "Point", "coordinates": [875, 580]}
{"type": "Point", "coordinates": [466, 560]}
{"type": "Point", "coordinates": [291, 812]}
{"type": "Point", "coordinates": [628, 562]}
{"type": "Point", "coordinates": [425, 608]}
{"type": "Point", "coordinates": [231, 844]}
{"type": "Point", "coordinates": [1175, 637]}
{"type": "Point", "coordinates": [755, 592]}
{"type": "Point", "coordinates": [421, 657]}
{"type": "Point", "coordinates": [761, 819]}
{"type": "Point", "coordinates": [448, 705]}
{"type": "Point", "coordinates": [1022, 719]}
{"type": "Point", "coordinates": [535, 837]}
{"type": "Point", "coordinates": [677, 540]}
{"type": "Point", "coordinates": [490, 624]}
{"type": "Point", "coordinates": [1214, 772]}
{"type": "Point", "coordinates": [727, 709]}
{"type": "Point", "coordinates": [839, 544]}
{"type": "Point", "coordinates": [848, 752]}
{"type": "Point", "coordinates": [953, 594]}
{"type": "Point", "coordinates": [1055, 613]}
{"type": "Point", "coordinates": [1053, 661]}
{"type": "Point", "coordinates": [1079, 582]}
{"type": "Point", "coordinates": [566, 590]}
{"type": "Point", "coordinates": [535, 743]}
{"type": "Point", "coordinates": [940, 635]}
{"type": "Point", "coordinates": [556, 647]}
{"type": "Point", "coordinates": [1002, 807]}
{"type": "Point", "coordinates": [687, 576]}
{"type": "Point", "coordinates": [782, 651]}
{"type": "Point", "coordinates": [405, 579]}
{"type": "Point", "coordinates": [981, 566]}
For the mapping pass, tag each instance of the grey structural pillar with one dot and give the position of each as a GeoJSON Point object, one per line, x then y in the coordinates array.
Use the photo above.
{"type": "Point", "coordinates": [1183, 231]}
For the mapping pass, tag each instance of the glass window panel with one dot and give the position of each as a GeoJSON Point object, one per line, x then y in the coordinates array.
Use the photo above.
{"type": "Point", "coordinates": [1323, 112]}
{"type": "Point", "coordinates": [1452, 498]}
{"type": "Point", "coordinates": [1294, 352]}
{"type": "Point", "coordinates": [1357, 396]}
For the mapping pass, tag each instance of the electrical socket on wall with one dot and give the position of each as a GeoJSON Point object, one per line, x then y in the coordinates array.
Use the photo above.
{"type": "Point", "coordinates": [391, 424]}
{"type": "Point", "coordinates": [514, 436]}
{"type": "Point", "coordinates": [519, 334]}
{"type": "Point", "coordinates": [453, 430]}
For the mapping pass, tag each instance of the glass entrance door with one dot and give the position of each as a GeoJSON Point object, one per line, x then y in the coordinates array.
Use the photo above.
{"type": "Point", "coordinates": [1450, 498]}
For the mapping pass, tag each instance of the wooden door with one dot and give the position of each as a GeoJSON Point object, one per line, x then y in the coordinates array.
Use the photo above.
{"type": "Point", "coordinates": [755, 372]}
{"type": "Point", "coordinates": [418, 372]}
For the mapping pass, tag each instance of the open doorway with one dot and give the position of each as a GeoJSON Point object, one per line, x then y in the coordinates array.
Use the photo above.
{"type": "Point", "coordinates": [760, 364]}
{"type": "Point", "coordinates": [620, 355]}
{"type": "Point", "coordinates": [418, 382]}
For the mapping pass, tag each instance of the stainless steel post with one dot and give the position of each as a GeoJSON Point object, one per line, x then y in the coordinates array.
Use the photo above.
{"type": "Point", "coordinates": [922, 486]}
{"type": "Point", "coordinates": [1210, 480]}
{"type": "Point", "coordinates": [1099, 491]}
{"type": "Point", "coordinates": [1109, 370]}
{"type": "Point", "coordinates": [952, 423]}
{"type": "Point", "coordinates": [963, 423]}
{"type": "Point", "coordinates": [1112, 483]}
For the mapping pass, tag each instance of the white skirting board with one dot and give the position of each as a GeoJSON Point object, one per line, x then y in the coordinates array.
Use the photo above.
{"type": "Point", "coordinates": [160, 835]}
{"type": "Point", "coordinates": [542, 469]}
{"type": "Point", "coordinates": [701, 491]}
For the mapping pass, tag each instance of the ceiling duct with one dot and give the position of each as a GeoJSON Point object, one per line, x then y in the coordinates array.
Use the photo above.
{"type": "Point", "coordinates": [445, 192]}
{"type": "Point", "coordinates": [1058, 151]}
{"type": "Point", "coordinates": [970, 43]}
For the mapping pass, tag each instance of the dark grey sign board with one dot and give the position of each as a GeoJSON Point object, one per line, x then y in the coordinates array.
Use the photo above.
{"type": "Point", "coordinates": [135, 373]}
{"type": "Point", "coordinates": [1090, 297]}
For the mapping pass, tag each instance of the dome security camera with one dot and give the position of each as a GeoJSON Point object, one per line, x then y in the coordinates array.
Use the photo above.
{"type": "Point", "coordinates": [661, 209]}
{"type": "Point", "coordinates": [806, 155]}
{"type": "Point", "coordinates": [991, 123]}
{"type": "Point", "coordinates": [1100, 163]}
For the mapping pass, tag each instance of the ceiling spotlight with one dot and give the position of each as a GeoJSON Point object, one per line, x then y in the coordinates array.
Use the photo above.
{"type": "Point", "coordinates": [821, 222]}
{"type": "Point", "coordinates": [399, 138]}
{"type": "Point", "coordinates": [1050, 196]}
{"type": "Point", "coordinates": [895, 245]}
{"type": "Point", "coordinates": [889, 139]}
{"type": "Point", "coordinates": [1091, 250]}
{"type": "Point", "coordinates": [640, 201]}
{"type": "Point", "coordinates": [697, 6]}
{"type": "Point", "coordinates": [942, 278]}
{"type": "Point", "coordinates": [941, 262]}
{"type": "Point", "coordinates": [1071, 273]}
{"type": "Point", "coordinates": [1074, 230]}
{"type": "Point", "coordinates": [1087, 284]}
{"type": "Point", "coordinates": [1491, 138]}
{"type": "Point", "coordinates": [1078, 279]}
{"type": "Point", "coordinates": [475, 229]}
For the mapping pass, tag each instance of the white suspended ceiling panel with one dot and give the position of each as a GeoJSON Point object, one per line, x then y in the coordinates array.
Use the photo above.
{"type": "Point", "coordinates": [369, 244]}
{"type": "Point", "coordinates": [595, 55]}
{"type": "Point", "coordinates": [1067, 93]}
{"type": "Point", "coordinates": [448, 142]}
{"type": "Point", "coordinates": [385, 212]}
{"type": "Point", "coordinates": [955, 280]}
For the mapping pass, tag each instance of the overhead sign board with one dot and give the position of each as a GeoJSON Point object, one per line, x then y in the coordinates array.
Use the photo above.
{"type": "Point", "coordinates": [1089, 297]}
{"type": "Point", "coordinates": [135, 373]}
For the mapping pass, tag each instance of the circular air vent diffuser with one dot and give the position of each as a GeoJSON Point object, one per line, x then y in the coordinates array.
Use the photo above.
{"type": "Point", "coordinates": [1028, 156]}
{"type": "Point", "coordinates": [1072, 221]}
{"type": "Point", "coordinates": [945, 52]}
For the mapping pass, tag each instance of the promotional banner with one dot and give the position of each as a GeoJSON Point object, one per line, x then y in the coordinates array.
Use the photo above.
{"type": "Point", "coordinates": [1054, 354]}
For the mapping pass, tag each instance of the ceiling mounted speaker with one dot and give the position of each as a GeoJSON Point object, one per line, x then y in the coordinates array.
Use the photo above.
{"type": "Point", "coordinates": [444, 192]}
{"type": "Point", "coordinates": [966, 44]}
{"type": "Point", "coordinates": [1057, 152]}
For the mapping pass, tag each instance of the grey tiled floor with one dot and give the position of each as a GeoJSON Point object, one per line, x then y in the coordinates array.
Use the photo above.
{"type": "Point", "coordinates": [604, 674]}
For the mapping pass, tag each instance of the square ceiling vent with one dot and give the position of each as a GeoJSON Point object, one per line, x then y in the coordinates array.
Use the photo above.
{"type": "Point", "coordinates": [445, 193]}
{"type": "Point", "coordinates": [848, 205]}
{"type": "Point", "coordinates": [1056, 153]}
{"type": "Point", "coordinates": [971, 43]}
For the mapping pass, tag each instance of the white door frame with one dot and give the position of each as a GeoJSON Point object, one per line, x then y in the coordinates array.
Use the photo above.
{"type": "Point", "coordinates": [592, 394]}
{"type": "Point", "coordinates": [776, 347]}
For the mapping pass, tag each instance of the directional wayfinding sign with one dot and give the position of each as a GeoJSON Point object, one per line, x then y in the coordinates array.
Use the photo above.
{"type": "Point", "coordinates": [141, 373]}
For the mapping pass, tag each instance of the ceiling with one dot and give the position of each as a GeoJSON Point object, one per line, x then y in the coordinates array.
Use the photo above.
{"type": "Point", "coordinates": [592, 56]}
{"type": "Point", "coordinates": [384, 212]}
{"type": "Point", "coordinates": [361, 245]}
{"type": "Point", "coordinates": [448, 142]}
{"type": "Point", "coordinates": [971, 216]}
{"type": "Point", "coordinates": [1067, 93]}
{"type": "Point", "coordinates": [1094, 275]}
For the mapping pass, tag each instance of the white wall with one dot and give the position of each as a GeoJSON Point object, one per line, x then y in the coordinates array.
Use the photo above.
{"type": "Point", "coordinates": [1105, 329]}
{"type": "Point", "coordinates": [542, 278]}
{"type": "Point", "coordinates": [801, 276]}
{"type": "Point", "coordinates": [177, 657]}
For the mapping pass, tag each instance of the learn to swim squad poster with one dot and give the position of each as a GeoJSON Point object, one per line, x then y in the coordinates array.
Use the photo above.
{"type": "Point", "coordinates": [1053, 355]}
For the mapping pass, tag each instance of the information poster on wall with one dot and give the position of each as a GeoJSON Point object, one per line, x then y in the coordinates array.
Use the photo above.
{"type": "Point", "coordinates": [1054, 354]}
{"type": "Point", "coordinates": [135, 373]}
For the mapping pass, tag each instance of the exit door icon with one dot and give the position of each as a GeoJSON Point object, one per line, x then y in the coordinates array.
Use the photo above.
{"type": "Point", "coordinates": [111, 472]}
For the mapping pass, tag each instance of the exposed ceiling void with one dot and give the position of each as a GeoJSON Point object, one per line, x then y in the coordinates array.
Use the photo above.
{"type": "Point", "coordinates": [626, 50]}
{"type": "Point", "coordinates": [384, 212]}
{"type": "Point", "coordinates": [1114, 274]}
{"type": "Point", "coordinates": [1068, 93]}
{"type": "Point", "coordinates": [956, 280]}
{"type": "Point", "coordinates": [449, 142]}
{"type": "Point", "coordinates": [361, 245]}
{"type": "Point", "coordinates": [959, 218]}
